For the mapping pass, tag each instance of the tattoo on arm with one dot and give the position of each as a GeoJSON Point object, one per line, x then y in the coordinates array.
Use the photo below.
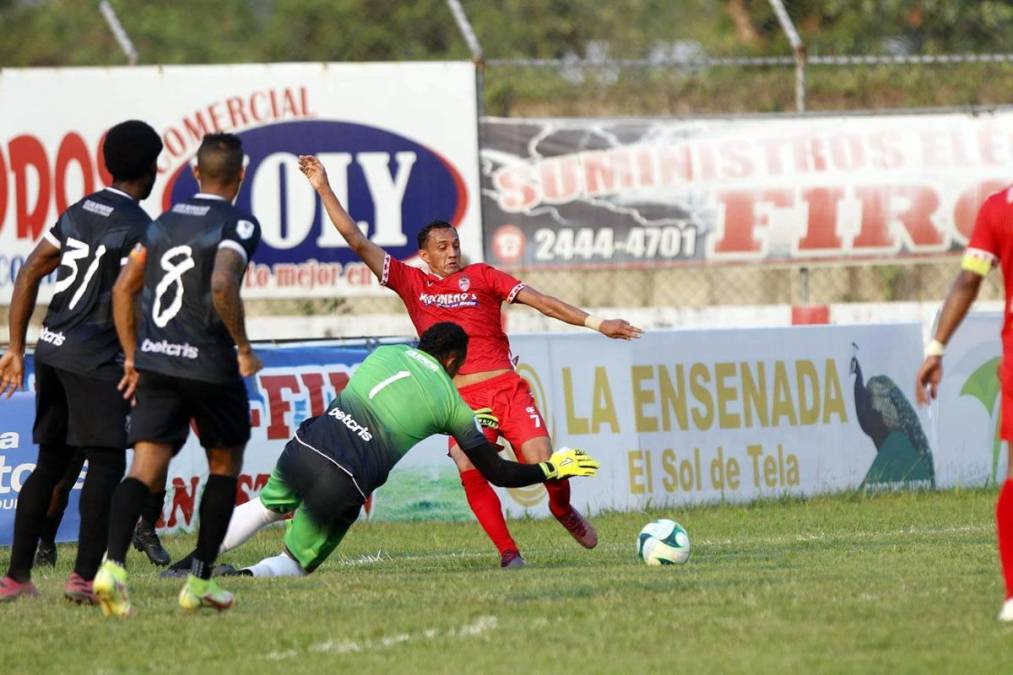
{"type": "Point", "coordinates": [226, 281]}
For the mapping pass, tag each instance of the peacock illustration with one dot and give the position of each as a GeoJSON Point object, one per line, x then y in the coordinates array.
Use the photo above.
{"type": "Point", "coordinates": [903, 456]}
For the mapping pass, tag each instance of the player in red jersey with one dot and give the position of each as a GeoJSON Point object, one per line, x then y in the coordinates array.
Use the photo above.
{"type": "Point", "coordinates": [472, 297]}
{"type": "Point", "coordinates": [991, 244]}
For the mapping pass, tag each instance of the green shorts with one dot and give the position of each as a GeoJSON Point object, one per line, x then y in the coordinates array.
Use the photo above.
{"type": "Point", "coordinates": [324, 499]}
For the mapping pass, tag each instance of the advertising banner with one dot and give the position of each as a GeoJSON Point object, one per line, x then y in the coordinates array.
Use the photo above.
{"type": "Point", "coordinates": [731, 415]}
{"type": "Point", "coordinates": [966, 416]}
{"type": "Point", "coordinates": [677, 417]}
{"type": "Point", "coordinates": [298, 381]}
{"type": "Point", "coordinates": [591, 192]}
{"type": "Point", "coordinates": [399, 141]}
{"type": "Point", "coordinates": [17, 459]}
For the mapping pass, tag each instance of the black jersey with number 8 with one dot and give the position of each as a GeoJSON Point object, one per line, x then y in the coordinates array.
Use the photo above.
{"type": "Point", "coordinates": [179, 332]}
{"type": "Point", "coordinates": [94, 237]}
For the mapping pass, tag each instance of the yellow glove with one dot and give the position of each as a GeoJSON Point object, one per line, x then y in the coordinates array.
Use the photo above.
{"type": "Point", "coordinates": [486, 418]}
{"type": "Point", "coordinates": [567, 462]}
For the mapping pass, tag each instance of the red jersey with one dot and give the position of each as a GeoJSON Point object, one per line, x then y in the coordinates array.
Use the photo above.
{"type": "Point", "coordinates": [992, 244]}
{"type": "Point", "coordinates": [472, 298]}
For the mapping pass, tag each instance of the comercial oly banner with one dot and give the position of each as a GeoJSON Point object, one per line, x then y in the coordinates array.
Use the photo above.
{"type": "Point", "coordinates": [590, 192]}
{"type": "Point", "coordinates": [399, 142]}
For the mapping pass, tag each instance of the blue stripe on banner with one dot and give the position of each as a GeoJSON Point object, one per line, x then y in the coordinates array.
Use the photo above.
{"type": "Point", "coordinates": [17, 459]}
{"type": "Point", "coordinates": [18, 453]}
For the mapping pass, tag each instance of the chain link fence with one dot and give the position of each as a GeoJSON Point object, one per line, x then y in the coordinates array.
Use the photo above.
{"type": "Point", "coordinates": [695, 286]}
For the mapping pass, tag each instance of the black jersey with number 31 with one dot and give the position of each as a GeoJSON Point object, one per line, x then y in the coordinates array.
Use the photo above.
{"type": "Point", "coordinates": [94, 237]}
{"type": "Point", "coordinates": [179, 332]}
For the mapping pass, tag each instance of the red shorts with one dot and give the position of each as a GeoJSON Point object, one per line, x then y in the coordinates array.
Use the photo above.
{"type": "Point", "coordinates": [511, 401]}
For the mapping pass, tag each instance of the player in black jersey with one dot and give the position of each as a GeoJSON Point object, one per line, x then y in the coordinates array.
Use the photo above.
{"type": "Point", "coordinates": [78, 359]}
{"type": "Point", "coordinates": [146, 539]}
{"type": "Point", "coordinates": [186, 354]}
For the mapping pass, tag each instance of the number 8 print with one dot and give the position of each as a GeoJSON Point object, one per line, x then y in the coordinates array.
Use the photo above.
{"type": "Point", "coordinates": [174, 271]}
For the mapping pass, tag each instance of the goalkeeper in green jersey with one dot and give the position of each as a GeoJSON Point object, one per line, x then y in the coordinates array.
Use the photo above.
{"type": "Point", "coordinates": [397, 397]}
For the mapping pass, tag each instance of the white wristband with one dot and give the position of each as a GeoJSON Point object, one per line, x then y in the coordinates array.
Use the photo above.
{"type": "Point", "coordinates": [593, 322]}
{"type": "Point", "coordinates": [935, 348]}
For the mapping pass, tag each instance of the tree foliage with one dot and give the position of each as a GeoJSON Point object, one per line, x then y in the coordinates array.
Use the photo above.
{"type": "Point", "coordinates": [73, 33]}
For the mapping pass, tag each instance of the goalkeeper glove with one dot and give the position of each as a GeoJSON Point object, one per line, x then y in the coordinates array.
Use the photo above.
{"type": "Point", "coordinates": [486, 418]}
{"type": "Point", "coordinates": [567, 462]}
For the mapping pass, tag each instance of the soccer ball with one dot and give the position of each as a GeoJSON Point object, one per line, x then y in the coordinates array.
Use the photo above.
{"type": "Point", "coordinates": [663, 542]}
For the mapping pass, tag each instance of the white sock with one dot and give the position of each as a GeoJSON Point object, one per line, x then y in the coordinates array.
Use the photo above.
{"type": "Point", "coordinates": [280, 565]}
{"type": "Point", "coordinates": [246, 520]}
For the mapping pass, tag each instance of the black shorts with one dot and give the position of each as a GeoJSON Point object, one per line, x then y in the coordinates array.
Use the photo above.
{"type": "Point", "coordinates": [78, 410]}
{"type": "Point", "coordinates": [326, 488]}
{"type": "Point", "coordinates": [165, 406]}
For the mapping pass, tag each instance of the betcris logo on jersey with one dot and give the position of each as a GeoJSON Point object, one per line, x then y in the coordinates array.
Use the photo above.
{"type": "Point", "coordinates": [390, 185]}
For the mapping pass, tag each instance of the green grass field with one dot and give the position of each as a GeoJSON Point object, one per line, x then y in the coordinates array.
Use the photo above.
{"type": "Point", "coordinates": [898, 583]}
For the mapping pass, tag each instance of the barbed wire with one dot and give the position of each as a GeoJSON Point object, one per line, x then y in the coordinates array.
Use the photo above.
{"type": "Point", "coordinates": [755, 61]}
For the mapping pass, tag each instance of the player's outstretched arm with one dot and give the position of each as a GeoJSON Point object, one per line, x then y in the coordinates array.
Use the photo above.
{"type": "Point", "coordinates": [226, 280]}
{"type": "Point", "coordinates": [564, 463]}
{"type": "Point", "coordinates": [128, 285]}
{"type": "Point", "coordinates": [41, 261]}
{"type": "Point", "coordinates": [370, 253]}
{"type": "Point", "coordinates": [962, 295]}
{"type": "Point", "coordinates": [618, 329]}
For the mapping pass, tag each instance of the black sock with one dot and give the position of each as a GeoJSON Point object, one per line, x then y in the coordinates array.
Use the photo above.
{"type": "Point", "coordinates": [128, 502]}
{"type": "Point", "coordinates": [60, 497]}
{"type": "Point", "coordinates": [184, 563]}
{"type": "Point", "coordinates": [33, 502]}
{"type": "Point", "coordinates": [105, 469]}
{"type": "Point", "coordinates": [47, 535]}
{"type": "Point", "coordinates": [215, 513]}
{"type": "Point", "coordinates": [153, 508]}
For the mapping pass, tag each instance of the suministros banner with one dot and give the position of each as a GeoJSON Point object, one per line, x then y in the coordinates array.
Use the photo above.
{"type": "Point", "coordinates": [566, 192]}
{"type": "Point", "coordinates": [687, 417]}
{"type": "Point", "coordinates": [399, 142]}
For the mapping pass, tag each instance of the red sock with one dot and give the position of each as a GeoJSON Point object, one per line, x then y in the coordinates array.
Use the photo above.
{"type": "Point", "coordinates": [559, 496]}
{"type": "Point", "coordinates": [485, 505]}
{"type": "Point", "coordinates": [1004, 526]}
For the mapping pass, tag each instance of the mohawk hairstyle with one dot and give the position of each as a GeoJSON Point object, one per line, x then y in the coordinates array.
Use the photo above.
{"type": "Point", "coordinates": [220, 157]}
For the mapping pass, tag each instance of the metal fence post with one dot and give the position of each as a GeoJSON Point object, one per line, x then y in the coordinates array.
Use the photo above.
{"type": "Point", "coordinates": [797, 48]}
{"type": "Point", "coordinates": [118, 31]}
{"type": "Point", "coordinates": [477, 55]}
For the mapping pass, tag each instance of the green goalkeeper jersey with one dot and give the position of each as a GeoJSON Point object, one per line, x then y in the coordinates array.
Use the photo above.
{"type": "Point", "coordinates": [397, 397]}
